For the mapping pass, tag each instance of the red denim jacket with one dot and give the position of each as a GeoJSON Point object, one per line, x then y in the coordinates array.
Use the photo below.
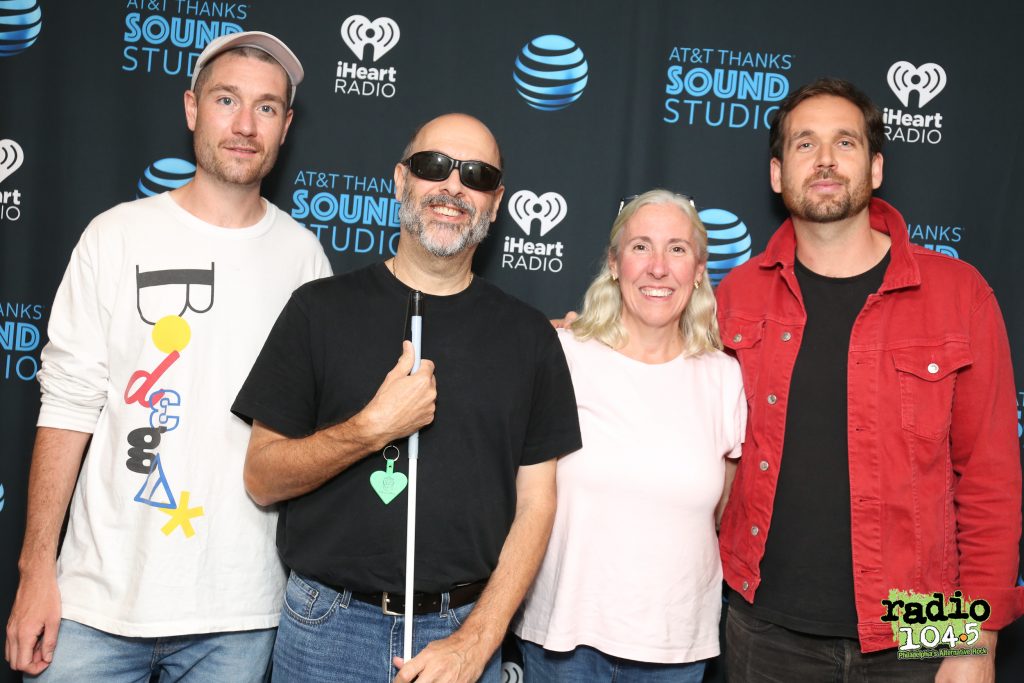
{"type": "Point", "coordinates": [935, 472]}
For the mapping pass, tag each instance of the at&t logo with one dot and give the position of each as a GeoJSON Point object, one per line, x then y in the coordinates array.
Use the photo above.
{"type": "Point", "coordinates": [550, 72]}
{"type": "Point", "coordinates": [724, 87]}
{"type": "Point", "coordinates": [940, 238]}
{"type": "Point", "coordinates": [168, 35]}
{"type": "Point", "coordinates": [1020, 422]}
{"type": "Point", "coordinates": [348, 212]}
{"type": "Point", "coordinates": [20, 24]}
{"type": "Point", "coordinates": [728, 242]}
{"type": "Point", "coordinates": [377, 37]}
{"type": "Point", "coordinates": [927, 81]}
{"type": "Point", "coordinates": [11, 158]}
{"type": "Point", "coordinates": [19, 340]}
{"type": "Point", "coordinates": [529, 210]}
{"type": "Point", "coordinates": [163, 175]}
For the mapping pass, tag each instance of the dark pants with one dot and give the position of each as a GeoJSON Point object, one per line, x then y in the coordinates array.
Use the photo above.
{"type": "Point", "coordinates": [757, 651]}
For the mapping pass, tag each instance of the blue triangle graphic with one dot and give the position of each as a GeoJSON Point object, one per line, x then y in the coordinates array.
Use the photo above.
{"type": "Point", "coordinates": [154, 486]}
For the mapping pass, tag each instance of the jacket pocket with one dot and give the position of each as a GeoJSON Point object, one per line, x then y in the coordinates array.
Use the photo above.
{"type": "Point", "coordinates": [743, 338]}
{"type": "Point", "coordinates": [927, 377]}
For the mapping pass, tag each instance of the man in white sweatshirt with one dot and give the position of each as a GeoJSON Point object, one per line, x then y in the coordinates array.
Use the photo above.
{"type": "Point", "coordinates": [168, 568]}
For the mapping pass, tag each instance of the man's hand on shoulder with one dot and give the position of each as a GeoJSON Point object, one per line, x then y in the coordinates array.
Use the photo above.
{"type": "Point", "coordinates": [35, 620]}
{"type": "Point", "coordinates": [561, 323]}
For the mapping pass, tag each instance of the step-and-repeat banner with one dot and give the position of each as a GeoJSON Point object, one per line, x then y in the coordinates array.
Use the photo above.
{"type": "Point", "coordinates": [591, 101]}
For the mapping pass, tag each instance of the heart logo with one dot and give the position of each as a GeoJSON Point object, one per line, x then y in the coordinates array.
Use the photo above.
{"type": "Point", "coordinates": [382, 33]}
{"type": "Point", "coordinates": [11, 158]}
{"type": "Point", "coordinates": [928, 80]}
{"type": "Point", "coordinates": [388, 484]}
{"type": "Point", "coordinates": [549, 208]}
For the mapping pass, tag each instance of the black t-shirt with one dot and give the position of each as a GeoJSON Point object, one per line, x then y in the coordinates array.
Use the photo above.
{"type": "Point", "coordinates": [807, 569]}
{"type": "Point", "coordinates": [504, 399]}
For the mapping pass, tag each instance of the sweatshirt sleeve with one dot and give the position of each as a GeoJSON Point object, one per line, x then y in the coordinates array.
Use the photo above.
{"type": "Point", "coordinates": [74, 373]}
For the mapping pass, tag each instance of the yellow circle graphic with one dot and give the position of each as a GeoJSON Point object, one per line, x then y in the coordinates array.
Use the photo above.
{"type": "Point", "coordinates": [171, 333]}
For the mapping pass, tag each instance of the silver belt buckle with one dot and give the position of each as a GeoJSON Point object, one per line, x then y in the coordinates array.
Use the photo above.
{"type": "Point", "coordinates": [384, 600]}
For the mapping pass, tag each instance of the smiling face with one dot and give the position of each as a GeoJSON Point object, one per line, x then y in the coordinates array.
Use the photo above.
{"type": "Point", "coordinates": [445, 216]}
{"type": "Point", "coordinates": [239, 118]}
{"type": "Point", "coordinates": [656, 263]}
{"type": "Point", "coordinates": [826, 173]}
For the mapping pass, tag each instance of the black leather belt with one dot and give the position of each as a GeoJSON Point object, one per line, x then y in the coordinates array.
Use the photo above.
{"type": "Point", "coordinates": [423, 603]}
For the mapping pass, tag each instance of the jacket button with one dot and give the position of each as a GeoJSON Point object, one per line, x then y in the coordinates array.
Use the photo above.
{"type": "Point", "coordinates": [772, 399]}
{"type": "Point", "coordinates": [737, 338]}
{"type": "Point", "coordinates": [933, 368]}
{"type": "Point", "coordinates": [786, 336]}
{"type": "Point", "coordinates": [746, 585]}
{"type": "Point", "coordinates": [764, 465]}
{"type": "Point", "coordinates": [754, 531]}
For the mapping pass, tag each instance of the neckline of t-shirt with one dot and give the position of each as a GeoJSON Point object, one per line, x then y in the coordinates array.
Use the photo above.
{"type": "Point", "coordinates": [632, 362]}
{"type": "Point", "coordinates": [799, 266]}
{"type": "Point", "coordinates": [396, 285]}
{"type": "Point", "coordinates": [258, 229]}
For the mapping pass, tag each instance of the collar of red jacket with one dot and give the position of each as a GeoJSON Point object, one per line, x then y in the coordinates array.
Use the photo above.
{"type": "Point", "coordinates": [902, 271]}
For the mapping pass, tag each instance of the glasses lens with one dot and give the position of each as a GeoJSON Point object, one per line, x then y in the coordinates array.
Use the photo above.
{"type": "Point", "coordinates": [436, 166]}
{"type": "Point", "coordinates": [629, 198]}
{"type": "Point", "coordinates": [431, 165]}
{"type": "Point", "coordinates": [479, 175]}
{"type": "Point", "coordinates": [626, 200]}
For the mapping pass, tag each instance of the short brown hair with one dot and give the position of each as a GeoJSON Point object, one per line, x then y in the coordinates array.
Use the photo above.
{"type": "Point", "coordinates": [834, 87]}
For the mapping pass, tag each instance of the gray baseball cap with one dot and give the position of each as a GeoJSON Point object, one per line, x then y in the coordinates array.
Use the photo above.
{"type": "Point", "coordinates": [259, 40]}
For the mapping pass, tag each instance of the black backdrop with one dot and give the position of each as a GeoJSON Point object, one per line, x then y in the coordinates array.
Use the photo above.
{"type": "Point", "coordinates": [590, 100]}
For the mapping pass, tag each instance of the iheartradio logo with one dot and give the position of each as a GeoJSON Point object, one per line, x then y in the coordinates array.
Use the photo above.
{"type": "Point", "coordinates": [928, 80]}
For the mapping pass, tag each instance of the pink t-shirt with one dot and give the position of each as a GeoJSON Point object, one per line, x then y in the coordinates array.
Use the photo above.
{"type": "Point", "coordinates": [632, 568]}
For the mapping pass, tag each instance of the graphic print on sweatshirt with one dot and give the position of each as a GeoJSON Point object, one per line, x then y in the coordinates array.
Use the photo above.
{"type": "Point", "coordinates": [164, 299]}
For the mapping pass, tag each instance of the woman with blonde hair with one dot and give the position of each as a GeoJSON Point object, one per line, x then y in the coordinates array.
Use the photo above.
{"type": "Point", "coordinates": [630, 586]}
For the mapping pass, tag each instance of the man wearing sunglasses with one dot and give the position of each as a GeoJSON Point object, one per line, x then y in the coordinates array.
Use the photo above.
{"type": "Point", "coordinates": [332, 411]}
{"type": "Point", "coordinates": [881, 451]}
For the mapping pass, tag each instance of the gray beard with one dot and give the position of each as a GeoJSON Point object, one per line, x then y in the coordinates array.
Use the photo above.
{"type": "Point", "coordinates": [411, 219]}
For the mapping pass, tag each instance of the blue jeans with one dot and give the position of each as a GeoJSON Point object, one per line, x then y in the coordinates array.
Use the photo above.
{"type": "Point", "coordinates": [587, 665]}
{"type": "Point", "coordinates": [85, 654]}
{"type": "Point", "coordinates": [327, 636]}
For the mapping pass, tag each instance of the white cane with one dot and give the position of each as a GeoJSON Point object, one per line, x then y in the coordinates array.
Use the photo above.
{"type": "Point", "coordinates": [416, 327]}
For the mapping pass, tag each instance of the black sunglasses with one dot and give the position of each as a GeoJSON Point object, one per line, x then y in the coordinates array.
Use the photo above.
{"type": "Point", "coordinates": [436, 166]}
{"type": "Point", "coordinates": [630, 197]}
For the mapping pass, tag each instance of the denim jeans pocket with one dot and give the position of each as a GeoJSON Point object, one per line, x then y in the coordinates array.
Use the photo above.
{"type": "Point", "coordinates": [309, 604]}
{"type": "Point", "coordinates": [459, 614]}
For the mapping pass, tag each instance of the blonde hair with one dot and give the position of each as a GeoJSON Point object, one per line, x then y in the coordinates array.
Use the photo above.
{"type": "Point", "coordinates": [601, 318]}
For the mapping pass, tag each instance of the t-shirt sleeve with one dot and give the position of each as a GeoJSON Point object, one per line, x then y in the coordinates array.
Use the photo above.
{"type": "Point", "coordinates": [554, 427]}
{"type": "Point", "coordinates": [75, 365]}
{"type": "Point", "coordinates": [281, 388]}
{"type": "Point", "coordinates": [323, 265]}
{"type": "Point", "coordinates": [735, 406]}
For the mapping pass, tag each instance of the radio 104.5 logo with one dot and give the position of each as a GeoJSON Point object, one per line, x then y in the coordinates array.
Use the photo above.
{"type": "Point", "coordinates": [930, 625]}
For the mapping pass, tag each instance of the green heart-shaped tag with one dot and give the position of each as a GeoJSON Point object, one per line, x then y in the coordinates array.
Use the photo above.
{"type": "Point", "coordinates": [388, 483]}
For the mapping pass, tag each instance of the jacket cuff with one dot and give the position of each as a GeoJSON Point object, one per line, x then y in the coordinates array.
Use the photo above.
{"type": "Point", "coordinates": [1007, 603]}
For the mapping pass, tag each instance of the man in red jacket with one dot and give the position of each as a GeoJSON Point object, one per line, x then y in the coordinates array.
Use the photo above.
{"type": "Point", "coordinates": [881, 455]}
